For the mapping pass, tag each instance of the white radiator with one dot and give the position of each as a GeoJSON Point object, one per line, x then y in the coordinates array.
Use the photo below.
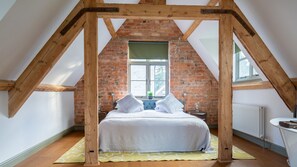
{"type": "Point", "coordinates": [249, 119]}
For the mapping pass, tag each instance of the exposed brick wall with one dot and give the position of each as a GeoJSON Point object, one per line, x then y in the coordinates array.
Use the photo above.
{"type": "Point", "coordinates": [190, 76]}
{"type": "Point", "coordinates": [112, 78]}
{"type": "Point", "coordinates": [113, 72]}
{"type": "Point", "coordinates": [188, 73]}
{"type": "Point", "coordinates": [153, 30]}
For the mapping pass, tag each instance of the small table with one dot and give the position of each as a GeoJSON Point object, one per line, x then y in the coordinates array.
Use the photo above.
{"type": "Point", "coordinates": [200, 114]}
{"type": "Point", "coordinates": [101, 115]}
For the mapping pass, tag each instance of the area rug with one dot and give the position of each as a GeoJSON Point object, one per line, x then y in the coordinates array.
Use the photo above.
{"type": "Point", "coordinates": [76, 155]}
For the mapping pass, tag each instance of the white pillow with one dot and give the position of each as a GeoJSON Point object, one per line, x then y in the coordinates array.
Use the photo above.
{"type": "Point", "coordinates": [160, 108]}
{"type": "Point", "coordinates": [169, 104]}
{"type": "Point", "coordinates": [129, 104]}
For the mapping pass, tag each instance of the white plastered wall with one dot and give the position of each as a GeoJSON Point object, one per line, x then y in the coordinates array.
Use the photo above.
{"type": "Point", "coordinates": [41, 117]}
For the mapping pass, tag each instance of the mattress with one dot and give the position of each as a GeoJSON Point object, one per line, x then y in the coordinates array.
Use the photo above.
{"type": "Point", "coordinates": [151, 131]}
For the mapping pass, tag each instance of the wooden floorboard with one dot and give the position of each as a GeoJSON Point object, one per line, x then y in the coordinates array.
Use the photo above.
{"type": "Point", "coordinates": [48, 155]}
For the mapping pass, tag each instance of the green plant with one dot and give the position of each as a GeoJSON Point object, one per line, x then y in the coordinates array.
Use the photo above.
{"type": "Point", "coordinates": [149, 93]}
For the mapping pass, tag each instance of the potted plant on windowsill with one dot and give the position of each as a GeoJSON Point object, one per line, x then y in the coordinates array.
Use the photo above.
{"type": "Point", "coordinates": [150, 94]}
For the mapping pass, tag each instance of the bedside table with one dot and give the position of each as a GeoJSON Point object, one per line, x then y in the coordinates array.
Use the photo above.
{"type": "Point", "coordinates": [201, 115]}
{"type": "Point", "coordinates": [101, 115]}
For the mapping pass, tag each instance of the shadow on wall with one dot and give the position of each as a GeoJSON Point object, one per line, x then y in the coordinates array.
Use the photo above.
{"type": "Point", "coordinates": [4, 103]}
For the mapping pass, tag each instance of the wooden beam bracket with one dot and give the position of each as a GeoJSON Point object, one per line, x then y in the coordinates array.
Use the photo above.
{"type": "Point", "coordinates": [83, 11]}
{"type": "Point", "coordinates": [233, 13]}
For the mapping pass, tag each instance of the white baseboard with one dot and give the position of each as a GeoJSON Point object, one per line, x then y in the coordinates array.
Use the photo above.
{"type": "Point", "coordinates": [27, 153]}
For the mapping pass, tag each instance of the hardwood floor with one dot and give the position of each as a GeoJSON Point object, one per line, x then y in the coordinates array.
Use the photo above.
{"type": "Point", "coordinates": [264, 157]}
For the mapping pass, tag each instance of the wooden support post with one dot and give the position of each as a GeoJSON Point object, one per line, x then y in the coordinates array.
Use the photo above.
{"type": "Point", "coordinates": [91, 86]}
{"type": "Point", "coordinates": [225, 84]}
{"type": "Point", "coordinates": [43, 62]}
{"type": "Point", "coordinates": [266, 61]}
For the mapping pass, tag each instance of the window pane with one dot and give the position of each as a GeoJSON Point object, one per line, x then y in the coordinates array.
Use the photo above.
{"type": "Point", "coordinates": [244, 68]}
{"type": "Point", "coordinates": [158, 72]}
{"type": "Point", "coordinates": [241, 55]}
{"type": "Point", "coordinates": [138, 72]}
{"type": "Point", "coordinates": [255, 72]}
{"type": "Point", "coordinates": [158, 88]}
{"type": "Point", "coordinates": [138, 88]}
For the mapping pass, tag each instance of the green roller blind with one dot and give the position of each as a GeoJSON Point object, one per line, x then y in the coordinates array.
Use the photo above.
{"type": "Point", "coordinates": [148, 50]}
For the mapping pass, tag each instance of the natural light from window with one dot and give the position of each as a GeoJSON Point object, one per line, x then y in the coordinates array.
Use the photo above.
{"type": "Point", "coordinates": [148, 69]}
{"type": "Point", "coordinates": [243, 71]}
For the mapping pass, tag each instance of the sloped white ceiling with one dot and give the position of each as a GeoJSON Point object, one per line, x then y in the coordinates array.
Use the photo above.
{"type": "Point", "coordinates": [5, 5]}
{"type": "Point", "coordinates": [70, 67]}
{"type": "Point", "coordinates": [276, 24]}
{"type": "Point", "coordinates": [25, 28]}
{"type": "Point", "coordinates": [28, 24]}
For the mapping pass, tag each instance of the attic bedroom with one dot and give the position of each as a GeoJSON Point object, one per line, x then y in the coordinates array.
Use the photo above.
{"type": "Point", "coordinates": [213, 87]}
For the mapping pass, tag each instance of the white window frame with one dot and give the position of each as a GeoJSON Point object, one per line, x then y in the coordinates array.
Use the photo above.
{"type": "Point", "coordinates": [237, 61]}
{"type": "Point", "coordinates": [149, 63]}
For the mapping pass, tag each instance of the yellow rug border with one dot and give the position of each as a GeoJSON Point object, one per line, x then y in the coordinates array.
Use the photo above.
{"type": "Point", "coordinates": [78, 156]}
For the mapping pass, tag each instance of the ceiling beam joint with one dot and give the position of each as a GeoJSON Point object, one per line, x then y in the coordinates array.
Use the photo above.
{"type": "Point", "coordinates": [144, 11]}
{"type": "Point", "coordinates": [234, 14]}
{"type": "Point", "coordinates": [82, 12]}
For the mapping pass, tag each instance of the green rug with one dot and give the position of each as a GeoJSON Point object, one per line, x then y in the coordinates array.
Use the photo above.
{"type": "Point", "coordinates": [76, 154]}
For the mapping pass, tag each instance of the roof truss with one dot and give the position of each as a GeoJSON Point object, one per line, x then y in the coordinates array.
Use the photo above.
{"type": "Point", "coordinates": [59, 42]}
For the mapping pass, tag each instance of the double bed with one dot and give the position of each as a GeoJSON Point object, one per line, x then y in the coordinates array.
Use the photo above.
{"type": "Point", "coordinates": [152, 131]}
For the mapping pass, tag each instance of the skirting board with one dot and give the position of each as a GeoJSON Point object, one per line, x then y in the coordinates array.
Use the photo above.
{"type": "Point", "coordinates": [265, 144]}
{"type": "Point", "coordinates": [27, 153]}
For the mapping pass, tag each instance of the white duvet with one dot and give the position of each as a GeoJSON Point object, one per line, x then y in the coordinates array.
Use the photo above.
{"type": "Point", "coordinates": [151, 131]}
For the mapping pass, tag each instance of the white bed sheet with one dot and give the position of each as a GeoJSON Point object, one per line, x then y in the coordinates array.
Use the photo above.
{"type": "Point", "coordinates": [151, 131]}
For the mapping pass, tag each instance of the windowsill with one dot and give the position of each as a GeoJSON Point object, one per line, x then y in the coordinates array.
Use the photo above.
{"type": "Point", "coordinates": [246, 81]}
{"type": "Point", "coordinates": [252, 85]}
{"type": "Point", "coordinates": [154, 98]}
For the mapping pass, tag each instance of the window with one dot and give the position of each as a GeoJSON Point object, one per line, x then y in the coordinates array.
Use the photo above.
{"type": "Point", "coordinates": [243, 71]}
{"type": "Point", "coordinates": [148, 68]}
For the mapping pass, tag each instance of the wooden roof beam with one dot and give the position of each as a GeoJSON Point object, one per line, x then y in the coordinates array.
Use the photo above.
{"type": "Point", "coordinates": [54, 88]}
{"type": "Point", "coordinates": [110, 27]}
{"type": "Point", "coordinates": [146, 11]}
{"type": "Point", "coordinates": [8, 85]}
{"type": "Point", "coordinates": [265, 61]}
{"type": "Point", "coordinates": [196, 23]}
{"type": "Point", "coordinates": [43, 62]}
{"type": "Point", "coordinates": [108, 24]}
{"type": "Point", "coordinates": [160, 12]}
